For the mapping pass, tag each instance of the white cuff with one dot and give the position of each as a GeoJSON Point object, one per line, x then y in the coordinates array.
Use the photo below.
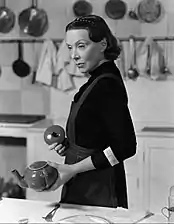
{"type": "Point", "coordinates": [110, 156]}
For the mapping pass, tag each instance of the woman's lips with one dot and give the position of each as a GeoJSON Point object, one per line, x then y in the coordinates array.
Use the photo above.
{"type": "Point", "coordinates": [80, 65]}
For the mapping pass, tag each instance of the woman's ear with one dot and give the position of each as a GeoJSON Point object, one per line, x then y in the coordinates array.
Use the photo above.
{"type": "Point", "coordinates": [103, 44]}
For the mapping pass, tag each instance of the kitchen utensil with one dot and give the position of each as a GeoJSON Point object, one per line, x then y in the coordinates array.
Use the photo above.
{"type": "Point", "coordinates": [50, 215]}
{"type": "Point", "coordinates": [115, 9]}
{"type": "Point", "coordinates": [7, 19]}
{"type": "Point", "coordinates": [148, 215]}
{"type": "Point", "coordinates": [38, 176]}
{"type": "Point", "coordinates": [86, 218]}
{"type": "Point", "coordinates": [54, 133]}
{"type": "Point", "coordinates": [33, 21]}
{"type": "Point", "coordinates": [148, 62]}
{"type": "Point", "coordinates": [82, 8]}
{"type": "Point", "coordinates": [132, 71]}
{"type": "Point", "coordinates": [165, 69]}
{"type": "Point", "coordinates": [19, 66]}
{"type": "Point", "coordinates": [149, 11]}
{"type": "Point", "coordinates": [133, 15]}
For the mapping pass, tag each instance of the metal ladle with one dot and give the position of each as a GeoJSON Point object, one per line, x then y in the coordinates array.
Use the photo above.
{"type": "Point", "coordinates": [165, 69]}
{"type": "Point", "coordinates": [132, 71]}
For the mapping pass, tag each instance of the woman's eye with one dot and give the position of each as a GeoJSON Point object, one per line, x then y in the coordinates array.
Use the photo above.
{"type": "Point", "coordinates": [69, 47]}
{"type": "Point", "coordinates": [81, 46]}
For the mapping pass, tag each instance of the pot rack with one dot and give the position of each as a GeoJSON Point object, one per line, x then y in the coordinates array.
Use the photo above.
{"type": "Point", "coordinates": [59, 40]}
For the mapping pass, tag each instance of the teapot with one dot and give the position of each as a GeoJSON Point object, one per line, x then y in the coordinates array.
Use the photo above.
{"type": "Point", "coordinates": [38, 176]}
{"type": "Point", "coordinates": [54, 133]}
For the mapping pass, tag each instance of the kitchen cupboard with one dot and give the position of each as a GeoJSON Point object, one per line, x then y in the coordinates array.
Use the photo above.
{"type": "Point", "coordinates": [134, 178]}
{"type": "Point", "coordinates": [158, 170]}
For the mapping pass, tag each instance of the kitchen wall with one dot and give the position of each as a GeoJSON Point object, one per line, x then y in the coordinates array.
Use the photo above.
{"type": "Point", "coordinates": [149, 100]}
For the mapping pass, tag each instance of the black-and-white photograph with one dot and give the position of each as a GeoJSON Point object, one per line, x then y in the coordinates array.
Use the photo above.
{"type": "Point", "coordinates": [86, 111]}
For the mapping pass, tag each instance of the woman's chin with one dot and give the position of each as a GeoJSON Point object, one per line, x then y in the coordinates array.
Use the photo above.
{"type": "Point", "coordinates": [83, 70]}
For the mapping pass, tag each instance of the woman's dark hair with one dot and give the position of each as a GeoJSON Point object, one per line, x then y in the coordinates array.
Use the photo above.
{"type": "Point", "coordinates": [98, 30]}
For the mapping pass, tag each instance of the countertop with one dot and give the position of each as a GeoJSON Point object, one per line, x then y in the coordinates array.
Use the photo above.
{"type": "Point", "coordinates": [14, 210]}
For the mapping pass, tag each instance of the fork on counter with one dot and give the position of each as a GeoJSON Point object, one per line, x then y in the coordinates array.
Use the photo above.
{"type": "Point", "coordinates": [50, 215]}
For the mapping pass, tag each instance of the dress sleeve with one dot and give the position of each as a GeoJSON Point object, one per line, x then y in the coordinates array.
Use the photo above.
{"type": "Point", "coordinates": [114, 113]}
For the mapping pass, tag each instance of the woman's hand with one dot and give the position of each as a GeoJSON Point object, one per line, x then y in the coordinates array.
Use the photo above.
{"type": "Point", "coordinates": [59, 148]}
{"type": "Point", "coordinates": [66, 172]}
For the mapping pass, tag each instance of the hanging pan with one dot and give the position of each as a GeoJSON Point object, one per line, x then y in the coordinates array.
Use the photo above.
{"type": "Point", "coordinates": [132, 71]}
{"type": "Point", "coordinates": [19, 66]}
{"type": "Point", "coordinates": [149, 11]}
{"type": "Point", "coordinates": [33, 21]}
{"type": "Point", "coordinates": [115, 9]}
{"type": "Point", "coordinates": [82, 8]}
{"type": "Point", "coordinates": [7, 19]}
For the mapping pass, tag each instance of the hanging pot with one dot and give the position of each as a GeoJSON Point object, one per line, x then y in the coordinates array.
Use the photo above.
{"type": "Point", "coordinates": [132, 71]}
{"type": "Point", "coordinates": [82, 8]}
{"type": "Point", "coordinates": [19, 66]}
{"type": "Point", "coordinates": [7, 19]}
{"type": "Point", "coordinates": [115, 9]}
{"type": "Point", "coordinates": [149, 11]}
{"type": "Point", "coordinates": [33, 21]}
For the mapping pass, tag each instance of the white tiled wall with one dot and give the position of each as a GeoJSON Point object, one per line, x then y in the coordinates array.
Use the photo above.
{"type": "Point", "coordinates": [149, 100]}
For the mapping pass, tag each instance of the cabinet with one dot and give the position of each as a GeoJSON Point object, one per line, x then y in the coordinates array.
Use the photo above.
{"type": "Point", "coordinates": [158, 171]}
{"type": "Point", "coordinates": [134, 178]}
{"type": "Point", "coordinates": [37, 149]}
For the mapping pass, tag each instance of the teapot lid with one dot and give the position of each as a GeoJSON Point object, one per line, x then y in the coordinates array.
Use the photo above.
{"type": "Point", "coordinates": [38, 165]}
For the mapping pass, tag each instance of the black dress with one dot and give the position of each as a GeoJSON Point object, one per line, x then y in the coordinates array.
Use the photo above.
{"type": "Point", "coordinates": [100, 118]}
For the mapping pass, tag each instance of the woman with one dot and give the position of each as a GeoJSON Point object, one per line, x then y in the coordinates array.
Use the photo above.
{"type": "Point", "coordinates": [99, 130]}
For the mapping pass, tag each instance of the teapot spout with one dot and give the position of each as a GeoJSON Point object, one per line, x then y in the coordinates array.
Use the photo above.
{"type": "Point", "coordinates": [21, 181]}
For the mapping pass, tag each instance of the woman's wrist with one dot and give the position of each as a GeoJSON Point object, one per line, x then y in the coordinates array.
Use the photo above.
{"type": "Point", "coordinates": [82, 166]}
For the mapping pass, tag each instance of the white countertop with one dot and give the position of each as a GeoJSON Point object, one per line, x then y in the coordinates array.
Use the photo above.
{"type": "Point", "coordinates": [13, 210]}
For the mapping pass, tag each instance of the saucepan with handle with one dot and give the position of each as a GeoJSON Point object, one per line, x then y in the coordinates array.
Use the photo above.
{"type": "Point", "coordinates": [33, 20]}
{"type": "Point", "coordinates": [7, 18]}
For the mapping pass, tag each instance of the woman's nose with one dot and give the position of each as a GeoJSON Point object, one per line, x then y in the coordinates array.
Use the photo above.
{"type": "Point", "coordinates": [74, 55]}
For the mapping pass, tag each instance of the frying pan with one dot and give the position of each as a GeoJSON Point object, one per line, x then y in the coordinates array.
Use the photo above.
{"type": "Point", "coordinates": [19, 66]}
{"type": "Point", "coordinates": [7, 19]}
{"type": "Point", "coordinates": [33, 21]}
{"type": "Point", "coordinates": [115, 9]}
{"type": "Point", "coordinates": [149, 11]}
{"type": "Point", "coordinates": [132, 71]}
{"type": "Point", "coordinates": [82, 8]}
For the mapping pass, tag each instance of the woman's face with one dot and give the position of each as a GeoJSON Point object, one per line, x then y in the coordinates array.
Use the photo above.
{"type": "Point", "coordinates": [85, 53]}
